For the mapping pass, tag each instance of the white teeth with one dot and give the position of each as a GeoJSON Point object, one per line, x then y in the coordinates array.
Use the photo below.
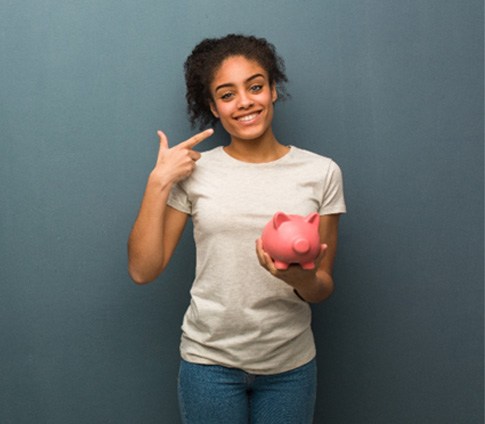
{"type": "Point", "coordinates": [247, 117]}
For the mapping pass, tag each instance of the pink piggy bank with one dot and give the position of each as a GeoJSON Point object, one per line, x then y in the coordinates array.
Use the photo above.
{"type": "Point", "coordinates": [292, 239]}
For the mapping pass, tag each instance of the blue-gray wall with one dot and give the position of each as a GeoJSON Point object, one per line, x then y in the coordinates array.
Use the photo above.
{"type": "Point", "coordinates": [391, 89]}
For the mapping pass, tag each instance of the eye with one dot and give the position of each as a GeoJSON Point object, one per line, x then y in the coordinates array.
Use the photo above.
{"type": "Point", "coordinates": [256, 87]}
{"type": "Point", "coordinates": [226, 96]}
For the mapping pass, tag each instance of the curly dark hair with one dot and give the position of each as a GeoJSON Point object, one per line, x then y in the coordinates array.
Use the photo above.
{"type": "Point", "coordinates": [205, 59]}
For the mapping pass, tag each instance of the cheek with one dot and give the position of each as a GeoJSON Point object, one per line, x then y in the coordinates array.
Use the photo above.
{"type": "Point", "coordinates": [223, 110]}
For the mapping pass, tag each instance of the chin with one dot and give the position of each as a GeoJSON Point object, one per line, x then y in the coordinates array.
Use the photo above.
{"type": "Point", "coordinates": [248, 134]}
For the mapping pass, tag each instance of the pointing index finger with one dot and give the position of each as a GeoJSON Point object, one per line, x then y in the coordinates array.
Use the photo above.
{"type": "Point", "coordinates": [196, 139]}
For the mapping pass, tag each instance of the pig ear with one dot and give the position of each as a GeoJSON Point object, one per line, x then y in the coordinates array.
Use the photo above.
{"type": "Point", "coordinates": [313, 218]}
{"type": "Point", "coordinates": [279, 218]}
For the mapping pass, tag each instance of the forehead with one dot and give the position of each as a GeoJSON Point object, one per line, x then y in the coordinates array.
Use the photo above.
{"type": "Point", "coordinates": [237, 69]}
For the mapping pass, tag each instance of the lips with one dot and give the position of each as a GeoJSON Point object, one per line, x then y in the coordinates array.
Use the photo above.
{"type": "Point", "coordinates": [248, 118]}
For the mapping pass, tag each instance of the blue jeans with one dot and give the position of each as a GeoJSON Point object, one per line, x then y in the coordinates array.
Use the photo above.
{"type": "Point", "coordinates": [212, 394]}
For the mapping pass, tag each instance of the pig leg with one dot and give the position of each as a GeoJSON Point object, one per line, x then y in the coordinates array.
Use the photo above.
{"type": "Point", "coordinates": [308, 265]}
{"type": "Point", "coordinates": [280, 265]}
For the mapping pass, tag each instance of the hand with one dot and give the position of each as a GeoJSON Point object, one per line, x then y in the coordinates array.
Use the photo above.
{"type": "Point", "coordinates": [295, 275]}
{"type": "Point", "coordinates": [177, 163]}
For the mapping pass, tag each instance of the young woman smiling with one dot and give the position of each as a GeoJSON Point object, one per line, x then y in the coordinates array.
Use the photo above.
{"type": "Point", "coordinates": [248, 354]}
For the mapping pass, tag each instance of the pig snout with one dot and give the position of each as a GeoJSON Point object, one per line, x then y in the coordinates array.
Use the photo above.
{"type": "Point", "coordinates": [301, 245]}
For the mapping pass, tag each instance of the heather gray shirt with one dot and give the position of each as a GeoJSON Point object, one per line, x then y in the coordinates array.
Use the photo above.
{"type": "Point", "coordinates": [240, 315]}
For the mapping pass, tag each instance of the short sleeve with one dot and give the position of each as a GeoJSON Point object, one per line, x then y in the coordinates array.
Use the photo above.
{"type": "Point", "coordinates": [333, 200]}
{"type": "Point", "coordinates": [179, 200]}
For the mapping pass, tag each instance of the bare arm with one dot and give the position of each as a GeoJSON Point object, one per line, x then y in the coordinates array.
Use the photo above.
{"type": "Point", "coordinates": [158, 227]}
{"type": "Point", "coordinates": [312, 285]}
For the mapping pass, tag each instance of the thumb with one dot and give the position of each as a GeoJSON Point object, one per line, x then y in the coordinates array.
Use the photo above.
{"type": "Point", "coordinates": [321, 255]}
{"type": "Point", "coordinates": [163, 145]}
{"type": "Point", "coordinates": [163, 140]}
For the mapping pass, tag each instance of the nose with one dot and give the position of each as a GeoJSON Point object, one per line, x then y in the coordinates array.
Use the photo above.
{"type": "Point", "coordinates": [245, 101]}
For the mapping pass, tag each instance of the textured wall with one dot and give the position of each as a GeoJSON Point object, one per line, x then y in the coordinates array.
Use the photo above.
{"type": "Point", "coordinates": [392, 90]}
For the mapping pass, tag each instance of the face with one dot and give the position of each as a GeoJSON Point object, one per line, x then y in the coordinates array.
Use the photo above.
{"type": "Point", "coordinates": [242, 98]}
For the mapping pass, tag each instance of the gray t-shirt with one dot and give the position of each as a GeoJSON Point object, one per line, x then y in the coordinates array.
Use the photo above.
{"type": "Point", "coordinates": [241, 316]}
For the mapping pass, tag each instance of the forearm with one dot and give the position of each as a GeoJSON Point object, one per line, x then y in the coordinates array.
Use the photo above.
{"type": "Point", "coordinates": [316, 289]}
{"type": "Point", "coordinates": [145, 245]}
{"type": "Point", "coordinates": [157, 228]}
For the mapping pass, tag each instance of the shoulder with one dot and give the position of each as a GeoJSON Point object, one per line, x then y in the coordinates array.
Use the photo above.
{"type": "Point", "coordinates": [314, 159]}
{"type": "Point", "coordinates": [211, 158]}
{"type": "Point", "coordinates": [211, 165]}
{"type": "Point", "coordinates": [212, 154]}
{"type": "Point", "coordinates": [309, 155]}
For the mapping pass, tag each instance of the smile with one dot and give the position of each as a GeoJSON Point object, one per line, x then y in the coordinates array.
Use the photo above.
{"type": "Point", "coordinates": [248, 118]}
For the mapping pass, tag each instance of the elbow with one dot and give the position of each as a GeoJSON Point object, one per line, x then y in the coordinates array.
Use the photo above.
{"type": "Point", "coordinates": [328, 294]}
{"type": "Point", "coordinates": [327, 289]}
{"type": "Point", "coordinates": [139, 280]}
{"type": "Point", "coordinates": [139, 277]}
{"type": "Point", "coordinates": [142, 269]}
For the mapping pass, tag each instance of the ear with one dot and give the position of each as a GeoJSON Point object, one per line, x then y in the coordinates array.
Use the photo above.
{"type": "Point", "coordinates": [213, 109]}
{"type": "Point", "coordinates": [274, 93]}
{"type": "Point", "coordinates": [313, 219]}
{"type": "Point", "coordinates": [279, 218]}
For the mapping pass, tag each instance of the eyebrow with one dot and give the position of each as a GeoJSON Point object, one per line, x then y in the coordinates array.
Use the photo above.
{"type": "Point", "coordinates": [232, 85]}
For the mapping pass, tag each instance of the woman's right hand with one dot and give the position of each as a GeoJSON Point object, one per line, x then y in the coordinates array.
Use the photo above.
{"type": "Point", "coordinates": [177, 163]}
{"type": "Point", "coordinates": [157, 228]}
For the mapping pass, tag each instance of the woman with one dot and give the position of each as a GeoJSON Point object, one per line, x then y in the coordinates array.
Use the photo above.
{"type": "Point", "coordinates": [247, 348]}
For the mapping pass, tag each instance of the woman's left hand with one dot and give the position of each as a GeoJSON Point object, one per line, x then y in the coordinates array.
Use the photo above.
{"type": "Point", "coordinates": [295, 275]}
{"type": "Point", "coordinates": [313, 285]}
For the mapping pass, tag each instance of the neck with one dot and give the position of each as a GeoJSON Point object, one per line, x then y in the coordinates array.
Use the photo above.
{"type": "Point", "coordinates": [264, 149]}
